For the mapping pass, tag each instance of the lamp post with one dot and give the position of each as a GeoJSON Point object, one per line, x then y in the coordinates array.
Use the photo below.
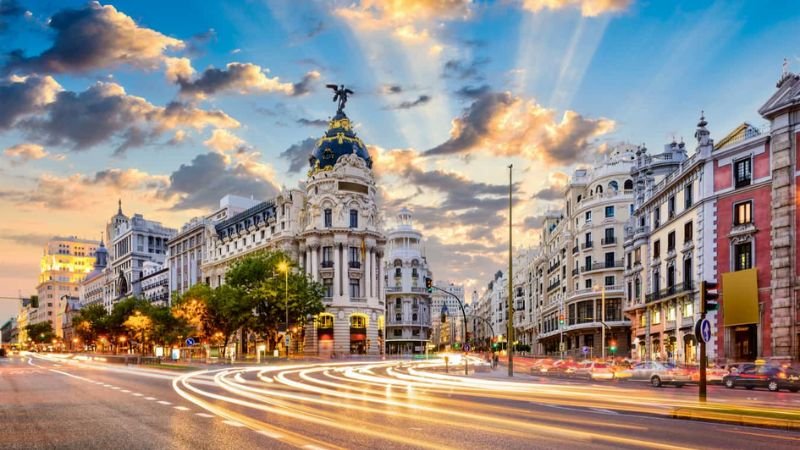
{"type": "Point", "coordinates": [283, 266]}
{"type": "Point", "coordinates": [602, 320]}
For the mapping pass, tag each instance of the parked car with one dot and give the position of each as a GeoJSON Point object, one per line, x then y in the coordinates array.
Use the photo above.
{"type": "Point", "coordinates": [771, 377]}
{"type": "Point", "coordinates": [659, 374]}
{"type": "Point", "coordinates": [594, 371]}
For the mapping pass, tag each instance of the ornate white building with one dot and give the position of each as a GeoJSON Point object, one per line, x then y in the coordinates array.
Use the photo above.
{"type": "Point", "coordinates": [330, 225]}
{"type": "Point", "coordinates": [408, 304]}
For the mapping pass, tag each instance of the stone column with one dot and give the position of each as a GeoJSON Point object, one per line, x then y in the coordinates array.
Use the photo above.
{"type": "Point", "coordinates": [368, 274]}
{"type": "Point", "coordinates": [315, 263]}
{"type": "Point", "coordinates": [337, 271]}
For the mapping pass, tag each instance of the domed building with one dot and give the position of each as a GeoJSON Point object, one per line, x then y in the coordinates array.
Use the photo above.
{"type": "Point", "coordinates": [331, 226]}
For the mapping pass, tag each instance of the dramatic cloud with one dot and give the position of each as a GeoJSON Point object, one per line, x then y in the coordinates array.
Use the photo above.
{"type": "Point", "coordinates": [22, 153]}
{"type": "Point", "coordinates": [463, 70]}
{"type": "Point", "coordinates": [312, 122]}
{"type": "Point", "coordinates": [505, 125]}
{"type": "Point", "coordinates": [588, 8]}
{"type": "Point", "coordinates": [21, 96]}
{"type": "Point", "coordinates": [473, 92]}
{"type": "Point", "coordinates": [421, 100]}
{"type": "Point", "coordinates": [533, 222]}
{"type": "Point", "coordinates": [104, 111]}
{"type": "Point", "coordinates": [79, 191]}
{"type": "Point", "coordinates": [178, 69]}
{"type": "Point", "coordinates": [298, 154]}
{"type": "Point", "coordinates": [8, 10]}
{"type": "Point", "coordinates": [549, 194]}
{"type": "Point", "coordinates": [96, 37]}
{"type": "Point", "coordinates": [22, 238]}
{"type": "Point", "coordinates": [201, 183]}
{"type": "Point", "coordinates": [389, 89]}
{"type": "Point", "coordinates": [242, 78]}
{"type": "Point", "coordinates": [223, 140]}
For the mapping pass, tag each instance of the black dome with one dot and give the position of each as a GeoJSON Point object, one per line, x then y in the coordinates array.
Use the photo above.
{"type": "Point", "coordinates": [339, 140]}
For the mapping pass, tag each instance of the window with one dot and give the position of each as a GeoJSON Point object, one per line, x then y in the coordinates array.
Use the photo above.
{"type": "Point", "coordinates": [358, 321]}
{"type": "Point", "coordinates": [656, 317]}
{"type": "Point", "coordinates": [327, 284]}
{"type": "Point", "coordinates": [657, 249]}
{"type": "Point", "coordinates": [671, 241]}
{"type": "Point", "coordinates": [637, 288]}
{"type": "Point", "coordinates": [354, 254]}
{"type": "Point", "coordinates": [588, 283]}
{"type": "Point", "coordinates": [588, 217]}
{"type": "Point", "coordinates": [743, 256]}
{"type": "Point", "coordinates": [397, 331]}
{"type": "Point", "coordinates": [687, 232]}
{"type": "Point", "coordinates": [609, 211]}
{"type": "Point", "coordinates": [587, 264]}
{"type": "Point", "coordinates": [328, 218]}
{"type": "Point", "coordinates": [629, 258]}
{"type": "Point", "coordinates": [610, 281]}
{"type": "Point", "coordinates": [353, 218]}
{"type": "Point", "coordinates": [671, 312]}
{"type": "Point", "coordinates": [687, 196]}
{"type": "Point", "coordinates": [414, 317]}
{"type": "Point", "coordinates": [687, 309]}
{"type": "Point", "coordinates": [743, 213]}
{"type": "Point", "coordinates": [588, 240]}
{"type": "Point", "coordinates": [687, 273]}
{"type": "Point", "coordinates": [327, 257]}
{"type": "Point", "coordinates": [656, 281]}
{"type": "Point", "coordinates": [671, 206]}
{"type": "Point", "coordinates": [609, 259]}
{"type": "Point", "coordinates": [743, 172]}
{"type": "Point", "coordinates": [656, 217]}
{"type": "Point", "coordinates": [355, 289]}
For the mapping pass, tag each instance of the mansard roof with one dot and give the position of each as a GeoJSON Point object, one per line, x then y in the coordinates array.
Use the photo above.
{"type": "Point", "coordinates": [787, 95]}
{"type": "Point", "coordinates": [252, 216]}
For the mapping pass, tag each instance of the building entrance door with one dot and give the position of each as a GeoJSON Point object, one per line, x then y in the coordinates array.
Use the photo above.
{"type": "Point", "coordinates": [745, 344]}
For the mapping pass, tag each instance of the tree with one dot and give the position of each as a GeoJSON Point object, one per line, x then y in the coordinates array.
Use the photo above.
{"type": "Point", "coordinates": [228, 311]}
{"type": "Point", "coordinates": [271, 291]}
{"type": "Point", "coordinates": [140, 327]}
{"type": "Point", "coordinates": [90, 322]}
{"type": "Point", "coordinates": [40, 332]}
{"type": "Point", "coordinates": [192, 309]}
{"type": "Point", "coordinates": [167, 328]}
{"type": "Point", "coordinates": [120, 314]}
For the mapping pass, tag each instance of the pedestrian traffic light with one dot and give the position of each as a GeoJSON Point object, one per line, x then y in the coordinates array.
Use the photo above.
{"type": "Point", "coordinates": [709, 296]}
{"type": "Point", "coordinates": [429, 285]}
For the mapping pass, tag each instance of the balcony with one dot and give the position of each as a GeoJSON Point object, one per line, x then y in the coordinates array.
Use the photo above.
{"type": "Point", "coordinates": [587, 245]}
{"type": "Point", "coordinates": [743, 182]}
{"type": "Point", "coordinates": [354, 264]}
{"type": "Point", "coordinates": [326, 264]}
{"type": "Point", "coordinates": [610, 240]}
{"type": "Point", "coordinates": [419, 290]}
{"type": "Point", "coordinates": [603, 265]}
{"type": "Point", "coordinates": [390, 289]}
{"type": "Point", "coordinates": [553, 268]}
{"type": "Point", "coordinates": [682, 288]}
{"type": "Point", "coordinates": [553, 285]}
{"type": "Point", "coordinates": [358, 300]}
{"type": "Point", "coordinates": [575, 271]}
{"type": "Point", "coordinates": [574, 249]}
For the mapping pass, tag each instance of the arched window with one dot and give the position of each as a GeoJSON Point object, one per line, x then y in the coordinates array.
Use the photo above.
{"type": "Point", "coordinates": [613, 186]}
{"type": "Point", "coordinates": [579, 198]}
{"type": "Point", "coordinates": [628, 186]}
{"type": "Point", "coordinates": [598, 190]}
{"type": "Point", "coordinates": [325, 320]}
{"type": "Point", "coordinates": [358, 321]}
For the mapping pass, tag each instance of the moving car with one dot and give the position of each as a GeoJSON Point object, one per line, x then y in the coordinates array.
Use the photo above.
{"type": "Point", "coordinates": [659, 374]}
{"type": "Point", "coordinates": [771, 377]}
{"type": "Point", "coordinates": [594, 371]}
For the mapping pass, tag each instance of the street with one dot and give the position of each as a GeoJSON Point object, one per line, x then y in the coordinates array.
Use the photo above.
{"type": "Point", "coordinates": [52, 402]}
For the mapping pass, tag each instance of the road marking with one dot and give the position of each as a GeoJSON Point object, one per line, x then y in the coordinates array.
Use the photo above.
{"type": "Point", "coordinates": [232, 423]}
{"type": "Point", "coordinates": [181, 408]}
{"type": "Point", "coordinates": [107, 385]}
{"type": "Point", "coordinates": [772, 436]}
{"type": "Point", "coordinates": [115, 388]}
{"type": "Point", "coordinates": [270, 434]}
{"type": "Point", "coordinates": [164, 402]}
{"type": "Point", "coordinates": [204, 415]}
{"type": "Point", "coordinates": [149, 398]}
{"type": "Point", "coordinates": [125, 391]}
{"type": "Point", "coordinates": [313, 447]}
{"type": "Point", "coordinates": [605, 411]}
{"type": "Point", "coordinates": [415, 429]}
{"type": "Point", "coordinates": [136, 394]}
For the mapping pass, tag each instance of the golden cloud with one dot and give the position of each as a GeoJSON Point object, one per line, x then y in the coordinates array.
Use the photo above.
{"type": "Point", "coordinates": [588, 8]}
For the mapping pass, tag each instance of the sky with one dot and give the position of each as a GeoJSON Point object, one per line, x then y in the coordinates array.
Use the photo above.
{"type": "Point", "coordinates": [170, 107]}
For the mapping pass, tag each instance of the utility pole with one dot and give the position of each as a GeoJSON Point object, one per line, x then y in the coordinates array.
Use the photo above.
{"type": "Point", "coordinates": [510, 338]}
{"type": "Point", "coordinates": [703, 392]}
{"type": "Point", "coordinates": [603, 320]}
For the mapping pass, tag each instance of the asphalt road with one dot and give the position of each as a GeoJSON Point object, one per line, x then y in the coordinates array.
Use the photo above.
{"type": "Point", "coordinates": [62, 404]}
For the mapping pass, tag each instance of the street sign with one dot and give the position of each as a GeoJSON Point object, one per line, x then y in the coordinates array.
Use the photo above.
{"type": "Point", "coordinates": [288, 339]}
{"type": "Point", "coordinates": [702, 330]}
{"type": "Point", "coordinates": [585, 350]}
{"type": "Point", "coordinates": [562, 346]}
{"type": "Point", "coordinates": [189, 342]}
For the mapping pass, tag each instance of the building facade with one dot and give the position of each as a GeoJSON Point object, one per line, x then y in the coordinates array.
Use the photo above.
{"type": "Point", "coordinates": [331, 226]}
{"type": "Point", "coordinates": [133, 241]}
{"type": "Point", "coordinates": [95, 286]}
{"type": "Point", "coordinates": [445, 334]}
{"type": "Point", "coordinates": [187, 248]}
{"type": "Point", "coordinates": [408, 303]}
{"type": "Point", "coordinates": [65, 262]}
{"type": "Point", "coordinates": [155, 283]}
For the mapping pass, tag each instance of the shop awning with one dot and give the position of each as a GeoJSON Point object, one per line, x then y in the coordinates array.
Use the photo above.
{"type": "Point", "coordinates": [740, 297]}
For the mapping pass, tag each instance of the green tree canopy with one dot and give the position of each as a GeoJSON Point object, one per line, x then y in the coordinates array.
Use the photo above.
{"type": "Point", "coordinates": [40, 332]}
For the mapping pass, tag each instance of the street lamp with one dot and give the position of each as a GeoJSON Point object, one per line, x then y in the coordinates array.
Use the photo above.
{"type": "Point", "coordinates": [283, 266]}
{"type": "Point", "coordinates": [602, 290]}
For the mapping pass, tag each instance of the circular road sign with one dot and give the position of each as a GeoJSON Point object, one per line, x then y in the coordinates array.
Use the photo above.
{"type": "Point", "coordinates": [702, 330]}
{"type": "Point", "coordinates": [189, 342]}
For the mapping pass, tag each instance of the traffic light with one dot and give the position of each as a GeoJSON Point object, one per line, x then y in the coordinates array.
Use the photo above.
{"type": "Point", "coordinates": [429, 285]}
{"type": "Point", "coordinates": [561, 320]}
{"type": "Point", "coordinates": [709, 296]}
{"type": "Point", "coordinates": [612, 347]}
